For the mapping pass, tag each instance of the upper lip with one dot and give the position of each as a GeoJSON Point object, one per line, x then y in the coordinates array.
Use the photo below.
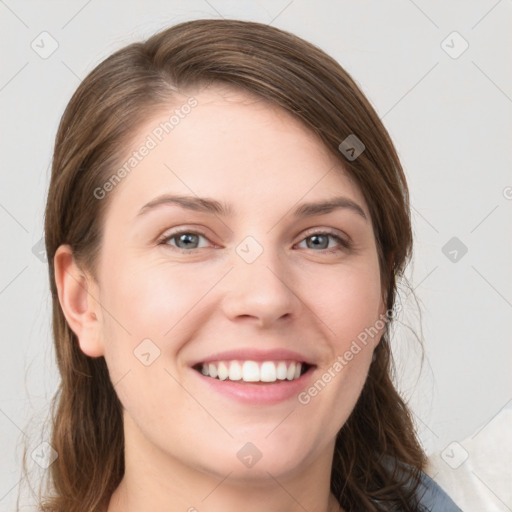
{"type": "Point", "coordinates": [252, 354]}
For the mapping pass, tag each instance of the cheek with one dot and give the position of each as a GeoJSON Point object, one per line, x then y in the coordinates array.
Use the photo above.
{"type": "Point", "coordinates": [349, 303]}
{"type": "Point", "coordinates": [154, 301]}
{"type": "Point", "coordinates": [152, 297]}
{"type": "Point", "coordinates": [145, 328]}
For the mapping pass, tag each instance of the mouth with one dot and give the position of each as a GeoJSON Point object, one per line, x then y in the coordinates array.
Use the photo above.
{"type": "Point", "coordinates": [255, 372]}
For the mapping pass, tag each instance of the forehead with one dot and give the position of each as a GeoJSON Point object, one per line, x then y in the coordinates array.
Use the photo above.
{"type": "Point", "coordinates": [231, 144]}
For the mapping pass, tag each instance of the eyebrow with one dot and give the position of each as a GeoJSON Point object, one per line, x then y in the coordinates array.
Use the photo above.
{"type": "Point", "coordinates": [206, 205]}
{"type": "Point", "coordinates": [198, 204]}
{"type": "Point", "coordinates": [322, 207]}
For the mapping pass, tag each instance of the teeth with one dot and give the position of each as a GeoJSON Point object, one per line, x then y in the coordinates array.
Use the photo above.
{"type": "Point", "coordinates": [223, 371]}
{"type": "Point", "coordinates": [290, 374]}
{"type": "Point", "coordinates": [235, 371]}
{"type": "Point", "coordinates": [268, 372]}
{"type": "Point", "coordinates": [212, 370]}
{"type": "Point", "coordinates": [281, 370]}
{"type": "Point", "coordinates": [251, 371]}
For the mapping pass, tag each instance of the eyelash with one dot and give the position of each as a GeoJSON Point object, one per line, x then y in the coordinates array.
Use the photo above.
{"type": "Point", "coordinates": [345, 244]}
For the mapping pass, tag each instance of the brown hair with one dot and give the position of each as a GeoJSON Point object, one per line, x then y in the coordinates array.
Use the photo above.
{"type": "Point", "coordinates": [378, 461]}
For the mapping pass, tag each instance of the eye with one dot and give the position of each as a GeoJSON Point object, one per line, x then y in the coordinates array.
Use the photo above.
{"type": "Point", "coordinates": [322, 241]}
{"type": "Point", "coordinates": [184, 240]}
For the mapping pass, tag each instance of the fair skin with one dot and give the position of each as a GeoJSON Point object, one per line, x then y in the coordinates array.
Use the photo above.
{"type": "Point", "coordinates": [305, 292]}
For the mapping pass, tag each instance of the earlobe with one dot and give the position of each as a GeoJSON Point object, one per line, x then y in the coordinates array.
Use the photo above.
{"type": "Point", "coordinates": [77, 292]}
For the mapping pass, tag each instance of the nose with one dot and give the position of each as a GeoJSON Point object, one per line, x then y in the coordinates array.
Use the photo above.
{"type": "Point", "coordinates": [261, 292]}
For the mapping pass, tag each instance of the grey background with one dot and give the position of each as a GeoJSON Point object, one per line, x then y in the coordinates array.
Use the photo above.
{"type": "Point", "coordinates": [448, 114]}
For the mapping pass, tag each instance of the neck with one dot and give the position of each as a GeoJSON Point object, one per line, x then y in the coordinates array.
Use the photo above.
{"type": "Point", "coordinates": [275, 498]}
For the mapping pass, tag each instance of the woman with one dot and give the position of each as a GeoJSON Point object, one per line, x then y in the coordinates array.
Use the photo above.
{"type": "Point", "coordinates": [227, 220]}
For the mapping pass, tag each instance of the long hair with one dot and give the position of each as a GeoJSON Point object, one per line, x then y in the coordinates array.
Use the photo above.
{"type": "Point", "coordinates": [378, 460]}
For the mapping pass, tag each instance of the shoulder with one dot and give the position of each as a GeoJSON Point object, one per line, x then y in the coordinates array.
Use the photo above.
{"type": "Point", "coordinates": [433, 498]}
{"type": "Point", "coordinates": [430, 496]}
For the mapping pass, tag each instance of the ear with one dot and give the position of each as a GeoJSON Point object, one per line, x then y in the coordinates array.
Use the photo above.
{"type": "Point", "coordinates": [77, 291]}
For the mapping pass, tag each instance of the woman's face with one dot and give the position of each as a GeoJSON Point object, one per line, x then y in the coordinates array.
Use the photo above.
{"type": "Point", "coordinates": [218, 257]}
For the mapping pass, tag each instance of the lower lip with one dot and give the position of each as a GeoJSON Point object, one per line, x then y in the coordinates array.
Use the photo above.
{"type": "Point", "coordinates": [258, 393]}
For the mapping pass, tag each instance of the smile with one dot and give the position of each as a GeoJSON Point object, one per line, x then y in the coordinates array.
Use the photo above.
{"type": "Point", "coordinates": [253, 371]}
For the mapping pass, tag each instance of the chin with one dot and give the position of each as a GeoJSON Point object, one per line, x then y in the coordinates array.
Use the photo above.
{"type": "Point", "coordinates": [253, 461]}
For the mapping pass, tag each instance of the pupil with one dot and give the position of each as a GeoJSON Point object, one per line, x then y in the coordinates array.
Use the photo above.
{"type": "Point", "coordinates": [187, 239]}
{"type": "Point", "coordinates": [318, 241]}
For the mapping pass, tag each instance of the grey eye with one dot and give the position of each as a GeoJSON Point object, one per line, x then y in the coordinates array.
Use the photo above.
{"type": "Point", "coordinates": [318, 241]}
{"type": "Point", "coordinates": [323, 241]}
{"type": "Point", "coordinates": [186, 240]}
